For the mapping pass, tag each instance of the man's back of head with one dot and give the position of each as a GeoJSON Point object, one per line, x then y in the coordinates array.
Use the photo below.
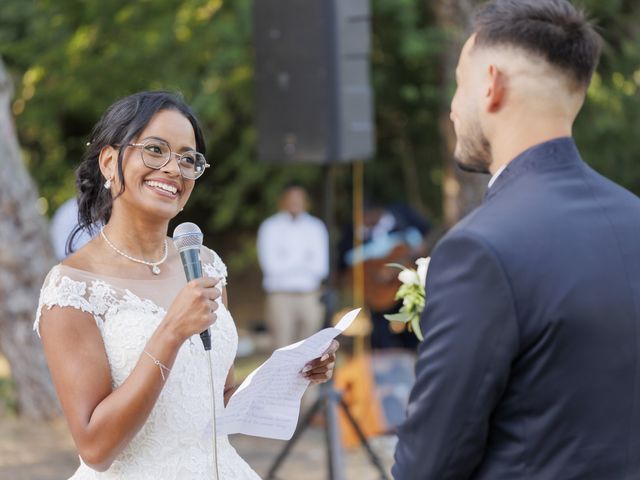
{"type": "Point", "coordinates": [553, 30]}
{"type": "Point", "coordinates": [522, 79]}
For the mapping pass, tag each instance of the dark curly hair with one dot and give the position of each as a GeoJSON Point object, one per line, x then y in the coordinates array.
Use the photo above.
{"type": "Point", "coordinates": [120, 124]}
{"type": "Point", "coordinates": [553, 29]}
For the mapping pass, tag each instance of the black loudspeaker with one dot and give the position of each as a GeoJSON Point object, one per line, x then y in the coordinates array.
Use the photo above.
{"type": "Point", "coordinates": [313, 97]}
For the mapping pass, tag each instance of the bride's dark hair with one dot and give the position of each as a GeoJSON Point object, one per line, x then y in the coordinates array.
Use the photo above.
{"type": "Point", "coordinates": [120, 124]}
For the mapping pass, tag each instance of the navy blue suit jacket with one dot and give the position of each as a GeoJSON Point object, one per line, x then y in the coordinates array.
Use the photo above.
{"type": "Point", "coordinates": [530, 367]}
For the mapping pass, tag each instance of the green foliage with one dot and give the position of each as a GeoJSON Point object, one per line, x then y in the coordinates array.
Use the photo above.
{"type": "Point", "coordinates": [78, 57]}
{"type": "Point", "coordinates": [608, 128]}
{"type": "Point", "coordinates": [72, 58]}
{"type": "Point", "coordinates": [407, 78]}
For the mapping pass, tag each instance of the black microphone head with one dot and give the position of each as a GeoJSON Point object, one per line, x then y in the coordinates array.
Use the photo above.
{"type": "Point", "coordinates": [187, 236]}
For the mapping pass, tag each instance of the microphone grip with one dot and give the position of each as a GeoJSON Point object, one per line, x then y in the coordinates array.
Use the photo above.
{"type": "Point", "coordinates": [192, 270]}
{"type": "Point", "coordinates": [191, 264]}
{"type": "Point", "coordinates": [206, 339]}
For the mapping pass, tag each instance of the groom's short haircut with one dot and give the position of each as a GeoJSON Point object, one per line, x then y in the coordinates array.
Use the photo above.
{"type": "Point", "coordinates": [552, 29]}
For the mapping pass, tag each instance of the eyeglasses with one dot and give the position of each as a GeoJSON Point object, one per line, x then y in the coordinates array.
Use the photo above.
{"type": "Point", "coordinates": [157, 153]}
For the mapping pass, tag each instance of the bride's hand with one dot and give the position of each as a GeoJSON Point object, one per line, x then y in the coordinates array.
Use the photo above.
{"type": "Point", "coordinates": [194, 308]}
{"type": "Point", "coordinates": [320, 369]}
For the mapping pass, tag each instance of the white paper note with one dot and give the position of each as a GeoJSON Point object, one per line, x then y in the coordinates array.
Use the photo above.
{"type": "Point", "coordinates": [267, 403]}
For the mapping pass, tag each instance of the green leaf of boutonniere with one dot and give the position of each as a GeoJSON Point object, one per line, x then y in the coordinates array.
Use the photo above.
{"type": "Point", "coordinates": [398, 317]}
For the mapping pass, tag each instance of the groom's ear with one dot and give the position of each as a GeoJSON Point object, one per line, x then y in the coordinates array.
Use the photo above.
{"type": "Point", "coordinates": [495, 91]}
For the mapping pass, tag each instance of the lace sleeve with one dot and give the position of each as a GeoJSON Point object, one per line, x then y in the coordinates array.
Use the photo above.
{"type": "Point", "coordinates": [60, 290]}
{"type": "Point", "coordinates": [213, 266]}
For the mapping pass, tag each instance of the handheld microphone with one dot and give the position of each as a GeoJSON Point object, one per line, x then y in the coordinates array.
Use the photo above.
{"type": "Point", "coordinates": [187, 237]}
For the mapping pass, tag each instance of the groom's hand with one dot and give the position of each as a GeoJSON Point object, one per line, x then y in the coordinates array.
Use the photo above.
{"type": "Point", "coordinates": [320, 369]}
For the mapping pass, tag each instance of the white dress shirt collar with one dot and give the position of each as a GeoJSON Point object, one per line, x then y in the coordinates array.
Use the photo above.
{"type": "Point", "coordinates": [496, 175]}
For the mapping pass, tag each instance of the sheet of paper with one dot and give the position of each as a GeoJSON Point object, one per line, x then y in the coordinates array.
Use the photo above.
{"type": "Point", "coordinates": [267, 403]}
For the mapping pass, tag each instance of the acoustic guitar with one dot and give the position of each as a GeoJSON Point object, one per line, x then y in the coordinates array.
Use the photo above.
{"type": "Point", "coordinates": [381, 282]}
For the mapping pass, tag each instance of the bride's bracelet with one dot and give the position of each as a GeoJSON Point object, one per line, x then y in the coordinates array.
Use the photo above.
{"type": "Point", "coordinates": [160, 365]}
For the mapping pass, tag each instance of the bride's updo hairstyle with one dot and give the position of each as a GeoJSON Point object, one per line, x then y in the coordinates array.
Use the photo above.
{"type": "Point", "coordinates": [120, 124]}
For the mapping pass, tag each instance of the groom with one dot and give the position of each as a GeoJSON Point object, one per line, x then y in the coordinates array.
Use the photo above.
{"type": "Point", "coordinates": [530, 367]}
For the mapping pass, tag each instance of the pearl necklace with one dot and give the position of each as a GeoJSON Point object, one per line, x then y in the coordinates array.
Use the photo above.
{"type": "Point", "coordinates": [155, 269]}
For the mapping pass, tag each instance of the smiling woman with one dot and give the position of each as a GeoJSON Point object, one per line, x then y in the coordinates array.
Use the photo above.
{"type": "Point", "coordinates": [151, 119]}
{"type": "Point", "coordinates": [116, 317]}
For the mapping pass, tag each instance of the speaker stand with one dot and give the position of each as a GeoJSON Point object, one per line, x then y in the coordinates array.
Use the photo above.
{"type": "Point", "coordinates": [329, 399]}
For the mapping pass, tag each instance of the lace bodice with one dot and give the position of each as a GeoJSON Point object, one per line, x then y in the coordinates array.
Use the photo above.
{"type": "Point", "coordinates": [176, 441]}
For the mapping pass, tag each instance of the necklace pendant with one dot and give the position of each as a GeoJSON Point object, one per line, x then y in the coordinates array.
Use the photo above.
{"type": "Point", "coordinates": [155, 269]}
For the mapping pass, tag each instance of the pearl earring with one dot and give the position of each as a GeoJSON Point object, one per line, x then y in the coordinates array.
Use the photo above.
{"type": "Point", "coordinates": [107, 184]}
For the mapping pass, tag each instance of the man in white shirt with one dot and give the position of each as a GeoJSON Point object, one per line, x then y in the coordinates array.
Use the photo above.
{"type": "Point", "coordinates": [293, 251]}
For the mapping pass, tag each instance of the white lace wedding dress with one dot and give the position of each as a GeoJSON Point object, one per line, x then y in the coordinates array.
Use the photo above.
{"type": "Point", "coordinates": [176, 441]}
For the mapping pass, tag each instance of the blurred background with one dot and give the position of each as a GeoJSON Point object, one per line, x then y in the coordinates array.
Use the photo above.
{"type": "Point", "coordinates": [63, 62]}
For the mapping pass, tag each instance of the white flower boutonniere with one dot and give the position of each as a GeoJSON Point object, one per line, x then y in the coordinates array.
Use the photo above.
{"type": "Point", "coordinates": [412, 294]}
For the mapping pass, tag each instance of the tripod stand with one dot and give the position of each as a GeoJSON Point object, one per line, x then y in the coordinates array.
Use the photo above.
{"type": "Point", "coordinates": [329, 399]}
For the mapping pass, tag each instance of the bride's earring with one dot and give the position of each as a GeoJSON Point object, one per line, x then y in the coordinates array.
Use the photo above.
{"type": "Point", "coordinates": [107, 184]}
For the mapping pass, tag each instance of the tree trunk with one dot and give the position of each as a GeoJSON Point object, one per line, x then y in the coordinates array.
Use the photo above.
{"type": "Point", "coordinates": [25, 258]}
{"type": "Point", "coordinates": [461, 191]}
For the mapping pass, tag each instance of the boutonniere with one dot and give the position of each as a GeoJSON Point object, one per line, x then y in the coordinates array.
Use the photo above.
{"type": "Point", "coordinates": [412, 294]}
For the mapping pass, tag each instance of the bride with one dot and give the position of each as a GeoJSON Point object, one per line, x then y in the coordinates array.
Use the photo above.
{"type": "Point", "coordinates": [119, 323]}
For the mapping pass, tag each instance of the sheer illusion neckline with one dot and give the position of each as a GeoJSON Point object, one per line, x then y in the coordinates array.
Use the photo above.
{"type": "Point", "coordinates": [154, 278]}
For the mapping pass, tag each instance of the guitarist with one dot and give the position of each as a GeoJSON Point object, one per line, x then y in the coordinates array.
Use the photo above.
{"type": "Point", "coordinates": [390, 234]}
